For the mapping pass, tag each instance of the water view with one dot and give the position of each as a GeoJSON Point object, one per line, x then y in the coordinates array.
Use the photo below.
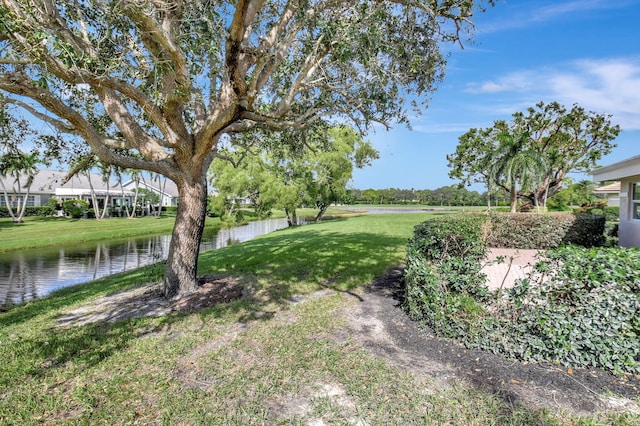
{"type": "Point", "coordinates": [30, 274]}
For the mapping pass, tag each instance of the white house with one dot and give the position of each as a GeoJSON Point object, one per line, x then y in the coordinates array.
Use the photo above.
{"type": "Point", "coordinates": [48, 184]}
{"type": "Point", "coordinates": [628, 173]}
{"type": "Point", "coordinates": [609, 193]}
{"type": "Point", "coordinates": [165, 188]}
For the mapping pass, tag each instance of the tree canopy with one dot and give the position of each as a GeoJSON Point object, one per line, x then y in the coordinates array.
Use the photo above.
{"type": "Point", "coordinates": [557, 139]}
{"type": "Point", "coordinates": [158, 85]}
{"type": "Point", "coordinates": [289, 178]}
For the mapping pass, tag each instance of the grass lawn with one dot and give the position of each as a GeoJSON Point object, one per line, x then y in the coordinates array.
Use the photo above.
{"type": "Point", "coordinates": [258, 360]}
{"type": "Point", "coordinates": [37, 232]}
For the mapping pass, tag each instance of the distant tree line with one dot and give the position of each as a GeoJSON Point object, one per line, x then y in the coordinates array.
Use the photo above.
{"type": "Point", "coordinates": [452, 195]}
{"type": "Point", "coordinates": [571, 196]}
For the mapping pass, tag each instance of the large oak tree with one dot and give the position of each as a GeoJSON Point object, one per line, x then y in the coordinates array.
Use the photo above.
{"type": "Point", "coordinates": [157, 85]}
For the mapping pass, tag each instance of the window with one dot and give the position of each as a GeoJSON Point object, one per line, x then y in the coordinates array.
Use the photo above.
{"type": "Point", "coordinates": [635, 202]}
{"type": "Point", "coordinates": [31, 200]}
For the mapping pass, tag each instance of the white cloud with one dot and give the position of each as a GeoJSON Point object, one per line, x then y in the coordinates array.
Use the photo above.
{"type": "Point", "coordinates": [560, 10]}
{"type": "Point", "coordinates": [514, 82]}
{"type": "Point", "coordinates": [608, 86]}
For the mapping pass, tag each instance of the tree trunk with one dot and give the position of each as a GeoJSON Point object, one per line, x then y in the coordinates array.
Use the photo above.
{"type": "Point", "coordinates": [182, 262]}
{"type": "Point", "coordinates": [292, 217]}
{"type": "Point", "coordinates": [321, 213]}
{"type": "Point", "coordinates": [514, 199]}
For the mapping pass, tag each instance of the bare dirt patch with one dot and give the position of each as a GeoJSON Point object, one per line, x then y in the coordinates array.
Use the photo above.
{"type": "Point", "coordinates": [147, 300]}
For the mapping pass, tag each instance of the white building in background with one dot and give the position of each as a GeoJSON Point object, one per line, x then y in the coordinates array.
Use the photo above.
{"type": "Point", "coordinates": [48, 184]}
{"type": "Point", "coordinates": [628, 173]}
{"type": "Point", "coordinates": [165, 188]}
{"type": "Point", "coordinates": [609, 193]}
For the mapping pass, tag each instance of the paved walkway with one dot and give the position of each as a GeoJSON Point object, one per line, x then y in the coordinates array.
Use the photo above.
{"type": "Point", "coordinates": [521, 261]}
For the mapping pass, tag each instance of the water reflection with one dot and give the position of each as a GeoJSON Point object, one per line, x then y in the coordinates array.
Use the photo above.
{"type": "Point", "coordinates": [30, 274]}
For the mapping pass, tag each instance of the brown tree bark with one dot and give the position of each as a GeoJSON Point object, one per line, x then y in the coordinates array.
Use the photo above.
{"type": "Point", "coordinates": [182, 261]}
{"type": "Point", "coordinates": [514, 199]}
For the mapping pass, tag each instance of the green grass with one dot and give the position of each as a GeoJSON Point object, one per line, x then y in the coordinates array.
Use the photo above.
{"type": "Point", "coordinates": [44, 232]}
{"type": "Point", "coordinates": [262, 360]}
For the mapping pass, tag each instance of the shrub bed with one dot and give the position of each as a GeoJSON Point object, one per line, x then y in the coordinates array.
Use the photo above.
{"type": "Point", "coordinates": [584, 314]}
{"type": "Point", "coordinates": [580, 308]}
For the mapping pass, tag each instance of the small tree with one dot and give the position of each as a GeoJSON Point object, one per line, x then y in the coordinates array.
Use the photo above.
{"type": "Point", "coordinates": [289, 177]}
{"type": "Point", "coordinates": [513, 166]}
{"type": "Point", "coordinates": [17, 168]}
{"type": "Point", "coordinates": [20, 169]}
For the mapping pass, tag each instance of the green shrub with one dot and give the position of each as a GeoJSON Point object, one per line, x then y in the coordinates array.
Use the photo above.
{"type": "Point", "coordinates": [611, 213]}
{"type": "Point", "coordinates": [585, 314]}
{"type": "Point", "coordinates": [586, 230]}
{"type": "Point", "coordinates": [44, 211]}
{"type": "Point", "coordinates": [443, 277]}
{"type": "Point", "coordinates": [451, 235]}
{"type": "Point", "coordinates": [544, 231]}
{"type": "Point", "coordinates": [75, 208]}
{"type": "Point", "coordinates": [30, 211]}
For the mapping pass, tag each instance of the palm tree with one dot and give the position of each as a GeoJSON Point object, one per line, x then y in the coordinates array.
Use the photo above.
{"type": "Point", "coordinates": [22, 168]}
{"type": "Point", "coordinates": [513, 165]}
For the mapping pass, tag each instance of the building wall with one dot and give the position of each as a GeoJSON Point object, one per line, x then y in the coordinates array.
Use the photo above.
{"type": "Point", "coordinates": [34, 200]}
{"type": "Point", "coordinates": [629, 228]}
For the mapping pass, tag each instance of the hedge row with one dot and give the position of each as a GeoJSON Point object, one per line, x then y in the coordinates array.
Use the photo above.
{"type": "Point", "coordinates": [556, 317]}
{"type": "Point", "coordinates": [31, 211]}
{"type": "Point", "coordinates": [443, 277]}
{"type": "Point", "coordinates": [545, 231]}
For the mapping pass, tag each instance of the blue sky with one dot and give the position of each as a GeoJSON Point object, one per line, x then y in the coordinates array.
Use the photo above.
{"type": "Point", "coordinates": [524, 51]}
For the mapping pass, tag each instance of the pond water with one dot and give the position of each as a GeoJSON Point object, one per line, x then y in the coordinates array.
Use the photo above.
{"type": "Point", "coordinates": [30, 274]}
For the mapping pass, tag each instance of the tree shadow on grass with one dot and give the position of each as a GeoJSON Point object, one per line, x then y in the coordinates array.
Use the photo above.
{"type": "Point", "coordinates": [290, 263]}
{"type": "Point", "coordinates": [71, 295]}
{"type": "Point", "coordinates": [283, 265]}
{"type": "Point", "coordinates": [90, 344]}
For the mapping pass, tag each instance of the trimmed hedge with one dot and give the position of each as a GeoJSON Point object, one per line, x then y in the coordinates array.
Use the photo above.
{"type": "Point", "coordinates": [545, 231]}
{"type": "Point", "coordinates": [75, 208]}
{"type": "Point", "coordinates": [30, 211]}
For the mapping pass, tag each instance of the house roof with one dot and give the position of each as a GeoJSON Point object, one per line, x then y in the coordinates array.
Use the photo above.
{"type": "Point", "coordinates": [608, 189]}
{"type": "Point", "coordinates": [628, 168]}
{"type": "Point", "coordinates": [165, 186]}
{"type": "Point", "coordinates": [50, 182]}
